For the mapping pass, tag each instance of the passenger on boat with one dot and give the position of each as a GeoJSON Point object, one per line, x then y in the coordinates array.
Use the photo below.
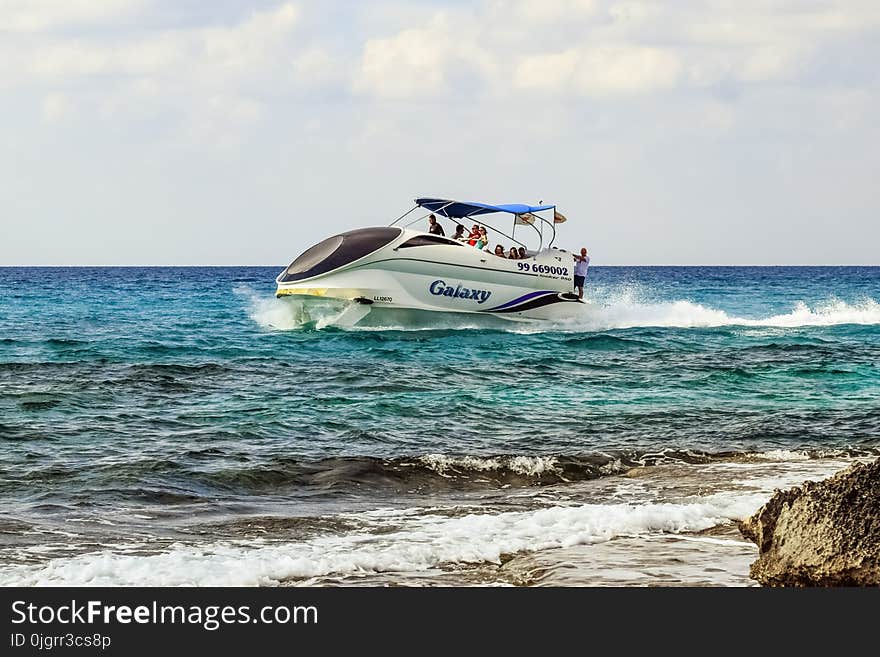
{"type": "Point", "coordinates": [474, 236]}
{"type": "Point", "coordinates": [459, 233]}
{"type": "Point", "coordinates": [522, 253]}
{"type": "Point", "coordinates": [433, 227]}
{"type": "Point", "coordinates": [483, 239]}
{"type": "Point", "coordinates": [513, 255]}
{"type": "Point", "coordinates": [499, 251]}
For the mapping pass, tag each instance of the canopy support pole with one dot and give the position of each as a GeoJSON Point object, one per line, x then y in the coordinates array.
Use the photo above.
{"type": "Point", "coordinates": [402, 216]}
{"type": "Point", "coordinates": [430, 212]}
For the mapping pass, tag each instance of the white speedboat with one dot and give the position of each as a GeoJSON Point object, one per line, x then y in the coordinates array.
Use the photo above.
{"type": "Point", "coordinates": [399, 267]}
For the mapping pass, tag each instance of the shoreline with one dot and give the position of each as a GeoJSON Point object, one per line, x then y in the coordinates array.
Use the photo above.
{"type": "Point", "coordinates": [658, 525]}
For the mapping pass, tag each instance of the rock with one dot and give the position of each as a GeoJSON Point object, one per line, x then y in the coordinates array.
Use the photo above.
{"type": "Point", "coordinates": [823, 533]}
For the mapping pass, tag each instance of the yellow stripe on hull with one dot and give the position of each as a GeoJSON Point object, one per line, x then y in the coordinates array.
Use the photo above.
{"type": "Point", "coordinates": [309, 292]}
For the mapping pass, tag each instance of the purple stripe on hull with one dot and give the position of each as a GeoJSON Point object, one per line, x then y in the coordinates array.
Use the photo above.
{"type": "Point", "coordinates": [525, 297]}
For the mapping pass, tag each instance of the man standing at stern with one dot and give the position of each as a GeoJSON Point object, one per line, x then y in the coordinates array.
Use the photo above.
{"type": "Point", "coordinates": [581, 262]}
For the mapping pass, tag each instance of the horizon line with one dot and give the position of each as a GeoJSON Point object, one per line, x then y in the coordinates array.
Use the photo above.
{"type": "Point", "coordinates": [141, 266]}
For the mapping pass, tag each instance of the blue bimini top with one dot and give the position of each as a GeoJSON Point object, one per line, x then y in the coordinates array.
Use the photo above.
{"type": "Point", "coordinates": [459, 209]}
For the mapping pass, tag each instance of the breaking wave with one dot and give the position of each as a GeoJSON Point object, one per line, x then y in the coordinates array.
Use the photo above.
{"type": "Point", "coordinates": [437, 539]}
{"type": "Point", "coordinates": [399, 544]}
{"type": "Point", "coordinates": [190, 478]}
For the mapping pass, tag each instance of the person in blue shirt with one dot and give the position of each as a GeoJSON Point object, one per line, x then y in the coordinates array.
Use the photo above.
{"type": "Point", "coordinates": [581, 262]}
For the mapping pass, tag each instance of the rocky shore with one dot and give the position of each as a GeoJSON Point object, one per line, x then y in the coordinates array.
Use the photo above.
{"type": "Point", "coordinates": [823, 533]}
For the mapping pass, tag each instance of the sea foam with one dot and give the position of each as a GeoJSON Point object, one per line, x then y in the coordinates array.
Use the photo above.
{"type": "Point", "coordinates": [633, 305]}
{"type": "Point", "coordinates": [415, 543]}
{"type": "Point", "coordinates": [617, 309]}
{"type": "Point", "coordinates": [524, 465]}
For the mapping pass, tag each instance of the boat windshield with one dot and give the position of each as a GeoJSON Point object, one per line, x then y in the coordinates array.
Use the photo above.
{"type": "Point", "coordinates": [311, 257]}
{"type": "Point", "coordinates": [339, 250]}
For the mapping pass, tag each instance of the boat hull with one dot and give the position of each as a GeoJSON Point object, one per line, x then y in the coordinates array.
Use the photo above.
{"type": "Point", "coordinates": [448, 278]}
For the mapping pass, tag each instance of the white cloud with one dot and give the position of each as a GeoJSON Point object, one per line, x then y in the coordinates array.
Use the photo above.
{"type": "Point", "coordinates": [547, 71]}
{"type": "Point", "coordinates": [626, 69]}
{"type": "Point", "coordinates": [254, 44]}
{"type": "Point", "coordinates": [207, 73]}
{"type": "Point", "coordinates": [634, 12]}
{"type": "Point", "coordinates": [600, 71]}
{"type": "Point", "coordinates": [587, 47]}
{"type": "Point", "coordinates": [73, 59]}
{"type": "Point", "coordinates": [542, 11]}
{"type": "Point", "coordinates": [601, 48]}
{"type": "Point", "coordinates": [403, 64]}
{"type": "Point", "coordinates": [39, 15]}
{"type": "Point", "coordinates": [421, 61]}
{"type": "Point", "coordinates": [744, 24]}
{"type": "Point", "coordinates": [769, 41]}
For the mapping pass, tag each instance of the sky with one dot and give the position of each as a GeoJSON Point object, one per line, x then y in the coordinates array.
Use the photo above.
{"type": "Point", "coordinates": [183, 132]}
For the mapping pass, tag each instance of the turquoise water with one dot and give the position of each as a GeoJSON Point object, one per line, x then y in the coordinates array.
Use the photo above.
{"type": "Point", "coordinates": [177, 415]}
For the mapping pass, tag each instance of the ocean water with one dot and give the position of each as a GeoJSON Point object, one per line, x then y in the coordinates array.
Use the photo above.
{"type": "Point", "coordinates": [181, 426]}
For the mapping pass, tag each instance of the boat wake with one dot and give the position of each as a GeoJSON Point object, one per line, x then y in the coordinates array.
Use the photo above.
{"type": "Point", "coordinates": [615, 309]}
{"type": "Point", "coordinates": [622, 310]}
